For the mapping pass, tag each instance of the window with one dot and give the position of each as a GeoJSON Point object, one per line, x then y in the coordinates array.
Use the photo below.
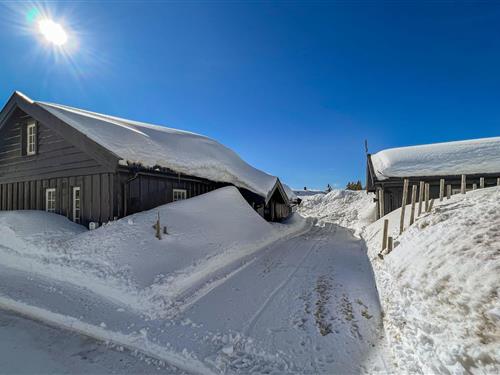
{"type": "Point", "coordinates": [76, 204]}
{"type": "Point", "coordinates": [179, 194]}
{"type": "Point", "coordinates": [50, 200]}
{"type": "Point", "coordinates": [31, 138]}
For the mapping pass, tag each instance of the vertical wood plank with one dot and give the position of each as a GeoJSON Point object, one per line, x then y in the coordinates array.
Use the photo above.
{"type": "Point", "coordinates": [96, 200]}
{"type": "Point", "coordinates": [413, 202]}
{"type": "Point", "coordinates": [403, 206]}
{"type": "Point", "coordinates": [27, 195]}
{"type": "Point", "coordinates": [384, 235]}
{"type": "Point", "coordinates": [20, 196]}
{"type": "Point", "coordinates": [427, 188]}
{"type": "Point", "coordinates": [474, 186]}
{"type": "Point", "coordinates": [420, 197]}
{"type": "Point", "coordinates": [381, 202]}
{"type": "Point", "coordinates": [448, 192]}
{"type": "Point", "coordinates": [481, 182]}
{"type": "Point", "coordinates": [441, 189]}
{"type": "Point", "coordinates": [9, 196]}
{"type": "Point", "coordinates": [389, 244]}
{"type": "Point", "coordinates": [463, 184]}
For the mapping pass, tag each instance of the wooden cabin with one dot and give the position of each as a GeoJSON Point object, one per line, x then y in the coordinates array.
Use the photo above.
{"type": "Point", "coordinates": [95, 168]}
{"type": "Point", "coordinates": [478, 160]}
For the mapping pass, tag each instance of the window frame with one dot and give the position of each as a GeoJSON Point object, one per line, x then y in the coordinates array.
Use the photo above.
{"type": "Point", "coordinates": [76, 219]}
{"type": "Point", "coordinates": [31, 126]}
{"type": "Point", "coordinates": [183, 193]}
{"type": "Point", "coordinates": [54, 200]}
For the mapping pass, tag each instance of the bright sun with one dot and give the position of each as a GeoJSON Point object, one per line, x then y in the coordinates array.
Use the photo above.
{"type": "Point", "coordinates": [53, 32]}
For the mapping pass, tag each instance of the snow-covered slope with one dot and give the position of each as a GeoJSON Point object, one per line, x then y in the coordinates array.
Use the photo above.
{"type": "Point", "coordinates": [151, 146]}
{"type": "Point", "coordinates": [208, 236]}
{"type": "Point", "coordinates": [350, 209]}
{"type": "Point", "coordinates": [440, 286]}
{"type": "Point", "coordinates": [450, 158]}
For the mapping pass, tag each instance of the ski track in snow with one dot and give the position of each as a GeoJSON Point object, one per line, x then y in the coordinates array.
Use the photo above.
{"type": "Point", "coordinates": [260, 319]}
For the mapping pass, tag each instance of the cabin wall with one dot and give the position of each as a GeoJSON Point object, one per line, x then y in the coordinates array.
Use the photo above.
{"type": "Point", "coordinates": [55, 157]}
{"type": "Point", "coordinates": [393, 190]}
{"type": "Point", "coordinates": [96, 196]}
{"type": "Point", "coordinates": [141, 192]}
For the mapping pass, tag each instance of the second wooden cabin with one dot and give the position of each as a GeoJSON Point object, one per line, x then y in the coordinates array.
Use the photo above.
{"type": "Point", "coordinates": [478, 160]}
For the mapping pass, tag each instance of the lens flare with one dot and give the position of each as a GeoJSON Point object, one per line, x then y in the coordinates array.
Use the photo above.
{"type": "Point", "coordinates": [53, 32]}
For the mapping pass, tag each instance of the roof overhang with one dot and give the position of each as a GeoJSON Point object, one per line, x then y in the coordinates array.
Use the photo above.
{"type": "Point", "coordinates": [78, 139]}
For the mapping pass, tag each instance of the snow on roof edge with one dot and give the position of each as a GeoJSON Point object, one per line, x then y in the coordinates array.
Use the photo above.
{"type": "Point", "coordinates": [473, 156]}
{"type": "Point", "coordinates": [231, 176]}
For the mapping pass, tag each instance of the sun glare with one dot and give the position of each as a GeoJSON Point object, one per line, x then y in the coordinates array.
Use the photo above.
{"type": "Point", "coordinates": [53, 32]}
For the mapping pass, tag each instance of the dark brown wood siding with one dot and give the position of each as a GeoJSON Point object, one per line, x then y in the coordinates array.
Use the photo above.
{"type": "Point", "coordinates": [95, 196]}
{"type": "Point", "coordinates": [55, 157]}
{"type": "Point", "coordinates": [145, 191]}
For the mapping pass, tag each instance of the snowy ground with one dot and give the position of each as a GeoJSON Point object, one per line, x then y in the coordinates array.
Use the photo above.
{"type": "Point", "coordinates": [350, 209]}
{"type": "Point", "coordinates": [440, 286]}
{"type": "Point", "coordinates": [223, 292]}
{"type": "Point", "coordinates": [55, 351]}
{"type": "Point", "coordinates": [304, 305]}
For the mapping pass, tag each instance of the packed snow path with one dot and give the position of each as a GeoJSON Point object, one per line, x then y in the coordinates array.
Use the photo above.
{"type": "Point", "coordinates": [30, 347]}
{"type": "Point", "coordinates": [303, 305]}
{"type": "Point", "coordinates": [311, 301]}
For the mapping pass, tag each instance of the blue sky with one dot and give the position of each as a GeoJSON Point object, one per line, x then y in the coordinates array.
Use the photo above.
{"type": "Point", "coordinates": [294, 87]}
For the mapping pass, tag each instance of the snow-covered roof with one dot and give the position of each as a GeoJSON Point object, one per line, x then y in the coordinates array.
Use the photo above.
{"type": "Point", "coordinates": [439, 159]}
{"type": "Point", "coordinates": [158, 146]}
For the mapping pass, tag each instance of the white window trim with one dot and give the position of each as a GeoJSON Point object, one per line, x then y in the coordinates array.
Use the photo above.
{"type": "Point", "coordinates": [183, 192]}
{"type": "Point", "coordinates": [31, 125]}
{"type": "Point", "coordinates": [47, 192]}
{"type": "Point", "coordinates": [76, 218]}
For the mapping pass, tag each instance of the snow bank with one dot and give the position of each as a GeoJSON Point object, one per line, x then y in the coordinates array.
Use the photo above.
{"type": "Point", "coordinates": [151, 146]}
{"type": "Point", "coordinates": [450, 158]}
{"type": "Point", "coordinates": [440, 285]}
{"type": "Point", "coordinates": [208, 237]}
{"type": "Point", "coordinates": [347, 208]}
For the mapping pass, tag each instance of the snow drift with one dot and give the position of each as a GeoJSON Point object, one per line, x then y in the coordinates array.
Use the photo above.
{"type": "Point", "coordinates": [208, 237]}
{"type": "Point", "coordinates": [439, 159]}
{"type": "Point", "coordinates": [440, 286]}
{"type": "Point", "coordinates": [347, 208]}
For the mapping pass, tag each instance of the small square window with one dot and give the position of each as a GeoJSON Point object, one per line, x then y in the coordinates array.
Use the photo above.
{"type": "Point", "coordinates": [179, 194]}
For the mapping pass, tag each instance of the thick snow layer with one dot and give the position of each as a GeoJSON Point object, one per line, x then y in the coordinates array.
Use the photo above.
{"type": "Point", "coordinates": [304, 305]}
{"type": "Point", "coordinates": [451, 158]}
{"type": "Point", "coordinates": [54, 351]}
{"type": "Point", "coordinates": [347, 208]}
{"type": "Point", "coordinates": [440, 285]}
{"type": "Point", "coordinates": [208, 237]}
{"type": "Point", "coordinates": [152, 146]}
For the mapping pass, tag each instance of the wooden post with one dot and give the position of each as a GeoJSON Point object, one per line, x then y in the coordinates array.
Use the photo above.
{"type": "Point", "coordinates": [498, 181]}
{"type": "Point", "coordinates": [463, 185]}
{"type": "Point", "coordinates": [481, 182]}
{"type": "Point", "coordinates": [426, 197]}
{"type": "Point", "coordinates": [431, 204]}
{"type": "Point", "coordinates": [474, 186]}
{"type": "Point", "coordinates": [420, 197]}
{"type": "Point", "coordinates": [381, 202]}
{"type": "Point", "coordinates": [413, 200]}
{"type": "Point", "coordinates": [441, 189]}
{"type": "Point", "coordinates": [448, 192]}
{"type": "Point", "coordinates": [384, 236]}
{"type": "Point", "coordinates": [389, 244]}
{"type": "Point", "coordinates": [158, 227]}
{"type": "Point", "coordinates": [403, 205]}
